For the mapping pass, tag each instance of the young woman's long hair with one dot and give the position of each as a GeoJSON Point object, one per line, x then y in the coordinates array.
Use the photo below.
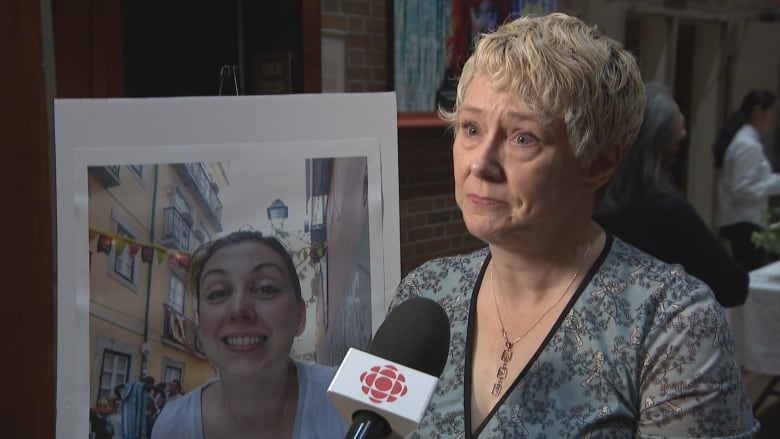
{"type": "Point", "coordinates": [639, 173]}
{"type": "Point", "coordinates": [755, 98]}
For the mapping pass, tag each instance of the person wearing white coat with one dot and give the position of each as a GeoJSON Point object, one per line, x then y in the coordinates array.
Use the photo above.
{"type": "Point", "coordinates": [747, 179]}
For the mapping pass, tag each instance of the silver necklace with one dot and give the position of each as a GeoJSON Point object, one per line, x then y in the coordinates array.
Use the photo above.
{"type": "Point", "coordinates": [284, 407]}
{"type": "Point", "coordinates": [506, 355]}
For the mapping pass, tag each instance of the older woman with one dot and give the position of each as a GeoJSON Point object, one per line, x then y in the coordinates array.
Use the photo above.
{"type": "Point", "coordinates": [558, 328]}
{"type": "Point", "coordinates": [642, 208]}
{"type": "Point", "coordinates": [249, 310]}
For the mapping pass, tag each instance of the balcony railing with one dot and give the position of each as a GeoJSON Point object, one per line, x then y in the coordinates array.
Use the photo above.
{"type": "Point", "coordinates": [108, 176]}
{"type": "Point", "coordinates": [176, 232]}
{"type": "Point", "coordinates": [205, 190]}
{"type": "Point", "coordinates": [181, 330]}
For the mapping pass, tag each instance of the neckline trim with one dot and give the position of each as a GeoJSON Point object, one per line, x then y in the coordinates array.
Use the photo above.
{"type": "Point", "coordinates": [469, 368]}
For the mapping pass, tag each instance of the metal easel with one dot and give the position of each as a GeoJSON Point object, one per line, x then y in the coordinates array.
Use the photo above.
{"type": "Point", "coordinates": [228, 73]}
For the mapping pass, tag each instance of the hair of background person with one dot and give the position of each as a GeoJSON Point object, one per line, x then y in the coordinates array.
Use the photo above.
{"type": "Point", "coordinates": [754, 98]}
{"type": "Point", "coordinates": [562, 68]}
{"type": "Point", "coordinates": [202, 255]}
{"type": "Point", "coordinates": [458, 45]}
{"type": "Point", "coordinates": [639, 173]}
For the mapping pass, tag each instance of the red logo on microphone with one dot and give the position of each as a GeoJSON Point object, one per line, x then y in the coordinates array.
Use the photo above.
{"type": "Point", "coordinates": [383, 383]}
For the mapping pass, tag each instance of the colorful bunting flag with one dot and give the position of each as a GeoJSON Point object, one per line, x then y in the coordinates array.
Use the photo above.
{"type": "Point", "coordinates": [147, 254]}
{"type": "Point", "coordinates": [121, 243]}
{"type": "Point", "coordinates": [160, 253]}
{"type": "Point", "coordinates": [105, 242]}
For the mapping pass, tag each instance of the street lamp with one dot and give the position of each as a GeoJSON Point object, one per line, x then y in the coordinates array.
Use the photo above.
{"type": "Point", "coordinates": [277, 213]}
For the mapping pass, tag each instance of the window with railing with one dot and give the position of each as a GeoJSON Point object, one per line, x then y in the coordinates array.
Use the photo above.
{"type": "Point", "coordinates": [203, 187]}
{"type": "Point", "coordinates": [182, 330]}
{"type": "Point", "coordinates": [180, 203]}
{"type": "Point", "coordinates": [176, 231]}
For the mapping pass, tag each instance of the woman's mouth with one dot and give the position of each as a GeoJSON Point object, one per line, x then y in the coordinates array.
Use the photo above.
{"type": "Point", "coordinates": [483, 201]}
{"type": "Point", "coordinates": [244, 341]}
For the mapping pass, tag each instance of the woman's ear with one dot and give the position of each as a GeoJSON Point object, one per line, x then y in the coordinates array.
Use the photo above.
{"type": "Point", "coordinates": [301, 313]}
{"type": "Point", "coordinates": [600, 170]}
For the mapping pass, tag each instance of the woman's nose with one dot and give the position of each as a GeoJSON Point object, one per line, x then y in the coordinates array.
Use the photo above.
{"type": "Point", "coordinates": [243, 307]}
{"type": "Point", "coordinates": [485, 163]}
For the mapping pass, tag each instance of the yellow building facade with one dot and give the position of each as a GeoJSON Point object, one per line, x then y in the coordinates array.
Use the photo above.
{"type": "Point", "coordinates": [145, 221]}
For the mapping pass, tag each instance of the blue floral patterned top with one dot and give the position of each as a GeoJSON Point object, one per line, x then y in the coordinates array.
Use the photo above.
{"type": "Point", "coordinates": [642, 350]}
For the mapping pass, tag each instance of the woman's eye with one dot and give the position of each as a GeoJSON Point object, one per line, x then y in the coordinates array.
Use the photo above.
{"type": "Point", "coordinates": [266, 289]}
{"type": "Point", "coordinates": [216, 294]}
{"type": "Point", "coordinates": [523, 139]}
{"type": "Point", "coordinates": [469, 129]}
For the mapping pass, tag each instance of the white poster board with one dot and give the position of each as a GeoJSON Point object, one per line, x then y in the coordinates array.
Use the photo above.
{"type": "Point", "coordinates": [122, 161]}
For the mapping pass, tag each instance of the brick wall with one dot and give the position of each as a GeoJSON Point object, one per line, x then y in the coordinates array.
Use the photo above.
{"type": "Point", "coordinates": [431, 224]}
{"type": "Point", "coordinates": [365, 25]}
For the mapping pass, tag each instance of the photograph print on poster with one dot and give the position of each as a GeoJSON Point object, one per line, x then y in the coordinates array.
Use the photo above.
{"type": "Point", "coordinates": [146, 220]}
{"type": "Point", "coordinates": [139, 212]}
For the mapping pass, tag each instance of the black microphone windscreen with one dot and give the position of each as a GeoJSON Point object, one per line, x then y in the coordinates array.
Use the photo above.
{"type": "Point", "coordinates": [415, 334]}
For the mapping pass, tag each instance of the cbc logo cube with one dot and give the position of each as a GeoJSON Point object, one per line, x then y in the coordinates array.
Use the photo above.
{"type": "Point", "coordinates": [383, 383]}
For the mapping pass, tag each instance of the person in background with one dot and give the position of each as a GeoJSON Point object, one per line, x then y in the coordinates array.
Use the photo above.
{"type": "Point", "coordinates": [559, 329]}
{"type": "Point", "coordinates": [179, 386]}
{"type": "Point", "coordinates": [115, 417]}
{"type": "Point", "coordinates": [100, 426]}
{"type": "Point", "coordinates": [746, 177]}
{"type": "Point", "coordinates": [642, 208]}
{"type": "Point", "coordinates": [249, 309]}
{"type": "Point", "coordinates": [159, 396]}
{"type": "Point", "coordinates": [173, 391]}
{"type": "Point", "coordinates": [137, 408]}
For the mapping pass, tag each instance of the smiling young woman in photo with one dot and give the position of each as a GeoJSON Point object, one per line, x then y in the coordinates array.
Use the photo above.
{"type": "Point", "coordinates": [249, 309]}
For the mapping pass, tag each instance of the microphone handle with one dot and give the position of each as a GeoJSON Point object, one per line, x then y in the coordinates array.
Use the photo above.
{"type": "Point", "coordinates": [368, 425]}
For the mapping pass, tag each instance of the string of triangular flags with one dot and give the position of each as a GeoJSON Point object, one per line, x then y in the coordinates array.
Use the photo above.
{"type": "Point", "coordinates": [106, 241]}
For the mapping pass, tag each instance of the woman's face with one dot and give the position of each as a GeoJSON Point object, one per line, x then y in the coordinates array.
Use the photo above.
{"type": "Point", "coordinates": [484, 17]}
{"type": "Point", "coordinates": [249, 314]}
{"type": "Point", "coordinates": [514, 174]}
{"type": "Point", "coordinates": [766, 118]}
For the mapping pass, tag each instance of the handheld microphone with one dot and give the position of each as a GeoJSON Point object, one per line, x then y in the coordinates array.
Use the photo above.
{"type": "Point", "coordinates": [388, 389]}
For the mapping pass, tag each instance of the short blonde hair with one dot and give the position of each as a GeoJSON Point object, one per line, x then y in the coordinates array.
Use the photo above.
{"type": "Point", "coordinates": [562, 68]}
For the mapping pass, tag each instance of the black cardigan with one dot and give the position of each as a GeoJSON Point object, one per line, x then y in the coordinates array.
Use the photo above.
{"type": "Point", "coordinates": [668, 227]}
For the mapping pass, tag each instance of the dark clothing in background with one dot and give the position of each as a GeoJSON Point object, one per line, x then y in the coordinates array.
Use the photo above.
{"type": "Point", "coordinates": [668, 227]}
{"type": "Point", "coordinates": [747, 254]}
{"type": "Point", "coordinates": [100, 425]}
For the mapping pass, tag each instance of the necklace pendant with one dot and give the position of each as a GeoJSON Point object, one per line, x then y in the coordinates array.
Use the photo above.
{"type": "Point", "coordinates": [506, 356]}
